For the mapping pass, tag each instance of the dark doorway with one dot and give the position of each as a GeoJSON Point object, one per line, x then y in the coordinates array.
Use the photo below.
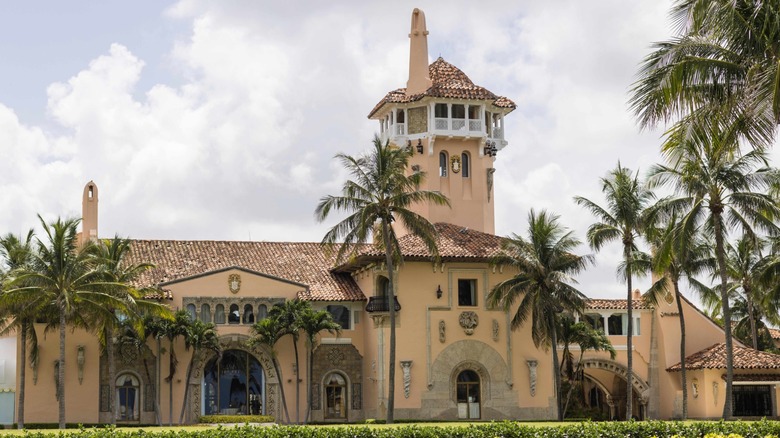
{"type": "Point", "coordinates": [752, 401]}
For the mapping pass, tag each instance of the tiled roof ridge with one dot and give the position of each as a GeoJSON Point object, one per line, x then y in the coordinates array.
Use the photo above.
{"type": "Point", "coordinates": [713, 357]}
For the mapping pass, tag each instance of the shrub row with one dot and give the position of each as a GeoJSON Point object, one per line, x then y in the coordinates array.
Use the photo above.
{"type": "Point", "coordinates": [660, 429]}
{"type": "Point", "coordinates": [240, 419]}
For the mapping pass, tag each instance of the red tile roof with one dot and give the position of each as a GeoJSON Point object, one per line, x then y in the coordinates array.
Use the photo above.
{"type": "Point", "coordinates": [605, 304]}
{"type": "Point", "coordinates": [775, 333]}
{"type": "Point", "coordinates": [305, 263]}
{"type": "Point", "coordinates": [455, 243]}
{"type": "Point", "coordinates": [448, 81]}
{"type": "Point", "coordinates": [714, 357]}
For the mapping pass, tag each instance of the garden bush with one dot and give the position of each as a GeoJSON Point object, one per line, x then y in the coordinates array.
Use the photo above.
{"type": "Point", "coordinates": [507, 429]}
{"type": "Point", "coordinates": [240, 419]}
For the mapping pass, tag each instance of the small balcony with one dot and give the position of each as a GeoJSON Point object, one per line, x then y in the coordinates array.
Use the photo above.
{"type": "Point", "coordinates": [381, 304]}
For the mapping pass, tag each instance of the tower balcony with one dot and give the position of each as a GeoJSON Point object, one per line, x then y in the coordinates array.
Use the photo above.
{"type": "Point", "coordinates": [381, 304]}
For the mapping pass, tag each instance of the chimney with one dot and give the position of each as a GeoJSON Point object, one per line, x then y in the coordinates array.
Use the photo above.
{"type": "Point", "coordinates": [637, 294]}
{"type": "Point", "coordinates": [89, 213]}
{"type": "Point", "coordinates": [419, 79]}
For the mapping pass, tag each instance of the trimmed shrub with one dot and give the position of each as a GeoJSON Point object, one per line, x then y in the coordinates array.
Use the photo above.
{"type": "Point", "coordinates": [240, 419]}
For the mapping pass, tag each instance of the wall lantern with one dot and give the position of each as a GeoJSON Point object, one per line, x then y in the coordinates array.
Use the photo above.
{"type": "Point", "coordinates": [438, 292]}
{"type": "Point", "coordinates": [419, 146]}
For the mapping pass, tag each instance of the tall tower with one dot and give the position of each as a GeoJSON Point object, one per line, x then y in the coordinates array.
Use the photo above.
{"type": "Point", "coordinates": [456, 129]}
{"type": "Point", "coordinates": [89, 212]}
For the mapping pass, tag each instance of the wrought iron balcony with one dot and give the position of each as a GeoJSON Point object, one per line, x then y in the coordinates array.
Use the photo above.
{"type": "Point", "coordinates": [381, 304]}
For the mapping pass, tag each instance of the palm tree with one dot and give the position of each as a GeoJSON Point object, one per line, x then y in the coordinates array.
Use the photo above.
{"type": "Point", "coordinates": [718, 188]}
{"type": "Point", "coordinates": [543, 285]}
{"type": "Point", "coordinates": [267, 333]}
{"type": "Point", "coordinates": [587, 338]}
{"type": "Point", "coordinates": [623, 220]}
{"type": "Point", "coordinates": [312, 323]}
{"type": "Point", "coordinates": [380, 194]}
{"type": "Point", "coordinates": [172, 329]}
{"type": "Point", "coordinates": [723, 60]}
{"type": "Point", "coordinates": [65, 275]}
{"type": "Point", "coordinates": [155, 327]}
{"type": "Point", "coordinates": [288, 314]}
{"type": "Point", "coordinates": [17, 253]}
{"type": "Point", "coordinates": [199, 336]}
{"type": "Point", "coordinates": [671, 263]}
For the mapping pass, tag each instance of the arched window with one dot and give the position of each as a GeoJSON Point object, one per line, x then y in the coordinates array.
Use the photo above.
{"type": "Point", "coordinates": [340, 315]}
{"type": "Point", "coordinates": [467, 394]}
{"type": "Point", "coordinates": [233, 316]}
{"type": "Point", "coordinates": [382, 286]}
{"type": "Point", "coordinates": [249, 314]}
{"type": "Point", "coordinates": [262, 312]}
{"type": "Point", "coordinates": [335, 396]}
{"type": "Point", "coordinates": [191, 311]}
{"type": "Point", "coordinates": [205, 313]}
{"type": "Point", "coordinates": [443, 163]}
{"type": "Point", "coordinates": [219, 314]}
{"type": "Point", "coordinates": [234, 385]}
{"type": "Point", "coordinates": [465, 163]}
{"type": "Point", "coordinates": [128, 397]}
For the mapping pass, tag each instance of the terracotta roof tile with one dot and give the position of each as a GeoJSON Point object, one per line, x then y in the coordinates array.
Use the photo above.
{"type": "Point", "coordinates": [775, 333]}
{"type": "Point", "coordinates": [454, 242]}
{"type": "Point", "coordinates": [754, 377]}
{"type": "Point", "coordinates": [605, 304]}
{"type": "Point", "coordinates": [304, 263]}
{"type": "Point", "coordinates": [448, 81]}
{"type": "Point", "coordinates": [714, 357]}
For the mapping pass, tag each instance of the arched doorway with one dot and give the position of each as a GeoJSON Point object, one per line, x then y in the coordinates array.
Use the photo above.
{"type": "Point", "coordinates": [610, 378]}
{"type": "Point", "coordinates": [467, 394]}
{"type": "Point", "coordinates": [128, 397]}
{"type": "Point", "coordinates": [335, 397]}
{"type": "Point", "coordinates": [234, 385]}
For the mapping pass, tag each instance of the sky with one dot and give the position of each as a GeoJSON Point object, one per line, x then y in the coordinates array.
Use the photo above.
{"type": "Point", "coordinates": [211, 120]}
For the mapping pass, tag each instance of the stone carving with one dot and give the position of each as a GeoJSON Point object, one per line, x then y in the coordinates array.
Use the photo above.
{"type": "Point", "coordinates": [234, 283]}
{"type": "Point", "coordinates": [490, 173]}
{"type": "Point", "coordinates": [416, 168]}
{"type": "Point", "coordinates": [406, 369]}
{"type": "Point", "coordinates": [128, 354]}
{"type": "Point", "coordinates": [455, 163]}
{"type": "Point", "coordinates": [442, 328]}
{"type": "Point", "coordinates": [315, 397]}
{"type": "Point", "coordinates": [532, 375]}
{"type": "Point", "coordinates": [604, 364]}
{"type": "Point", "coordinates": [495, 330]}
{"type": "Point", "coordinates": [695, 388]}
{"type": "Point", "coordinates": [80, 359]}
{"type": "Point", "coordinates": [469, 321]}
{"type": "Point", "coordinates": [357, 397]}
{"type": "Point", "coordinates": [335, 356]}
{"type": "Point", "coordinates": [715, 393]}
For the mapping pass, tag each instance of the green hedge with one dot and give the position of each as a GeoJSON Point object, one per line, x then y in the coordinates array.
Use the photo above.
{"type": "Point", "coordinates": [660, 429]}
{"type": "Point", "coordinates": [222, 419]}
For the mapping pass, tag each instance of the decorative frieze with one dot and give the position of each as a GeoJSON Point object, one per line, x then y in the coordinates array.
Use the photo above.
{"type": "Point", "coordinates": [532, 364]}
{"type": "Point", "coordinates": [406, 369]}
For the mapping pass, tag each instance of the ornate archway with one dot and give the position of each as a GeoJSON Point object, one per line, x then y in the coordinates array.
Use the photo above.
{"type": "Point", "coordinates": [640, 388]}
{"type": "Point", "coordinates": [235, 342]}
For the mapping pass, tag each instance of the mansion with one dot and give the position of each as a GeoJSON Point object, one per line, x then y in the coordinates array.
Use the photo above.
{"type": "Point", "coordinates": [457, 358]}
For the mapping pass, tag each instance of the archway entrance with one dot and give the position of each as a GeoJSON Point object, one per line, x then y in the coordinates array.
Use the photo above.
{"type": "Point", "coordinates": [234, 385]}
{"type": "Point", "coordinates": [605, 383]}
{"type": "Point", "coordinates": [335, 397]}
{"type": "Point", "coordinates": [128, 397]}
{"type": "Point", "coordinates": [467, 393]}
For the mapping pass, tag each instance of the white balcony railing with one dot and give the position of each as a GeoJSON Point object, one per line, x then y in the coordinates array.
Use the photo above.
{"type": "Point", "coordinates": [458, 124]}
{"type": "Point", "coordinates": [498, 132]}
{"type": "Point", "coordinates": [400, 129]}
{"type": "Point", "coordinates": [441, 124]}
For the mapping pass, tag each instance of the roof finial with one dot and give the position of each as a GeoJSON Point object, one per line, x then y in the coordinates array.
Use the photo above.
{"type": "Point", "coordinates": [419, 79]}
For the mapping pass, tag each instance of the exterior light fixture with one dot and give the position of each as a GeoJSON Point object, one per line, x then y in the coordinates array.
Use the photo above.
{"type": "Point", "coordinates": [419, 146]}
{"type": "Point", "coordinates": [409, 146]}
{"type": "Point", "coordinates": [438, 292]}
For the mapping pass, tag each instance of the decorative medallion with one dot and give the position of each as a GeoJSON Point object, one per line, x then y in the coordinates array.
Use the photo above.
{"type": "Point", "coordinates": [455, 163]}
{"type": "Point", "coordinates": [668, 297]}
{"type": "Point", "coordinates": [469, 321]}
{"type": "Point", "coordinates": [234, 283]}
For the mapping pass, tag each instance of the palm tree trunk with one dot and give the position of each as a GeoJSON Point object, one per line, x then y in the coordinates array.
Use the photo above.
{"type": "Point", "coordinates": [111, 374]}
{"type": "Point", "coordinates": [309, 362]}
{"type": "Point", "coordinates": [22, 374]}
{"type": "Point", "coordinates": [391, 307]}
{"type": "Point", "coordinates": [683, 376]}
{"type": "Point", "coordinates": [61, 372]}
{"type": "Point", "coordinates": [720, 254]}
{"type": "Point", "coordinates": [149, 379]}
{"type": "Point", "coordinates": [556, 370]}
{"type": "Point", "coordinates": [170, 383]}
{"type": "Point", "coordinates": [751, 317]}
{"type": "Point", "coordinates": [187, 387]}
{"type": "Point", "coordinates": [281, 390]}
{"type": "Point", "coordinates": [158, 366]}
{"type": "Point", "coordinates": [629, 337]}
{"type": "Point", "coordinates": [297, 383]}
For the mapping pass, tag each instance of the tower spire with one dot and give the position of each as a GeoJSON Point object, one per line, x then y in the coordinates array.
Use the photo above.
{"type": "Point", "coordinates": [419, 79]}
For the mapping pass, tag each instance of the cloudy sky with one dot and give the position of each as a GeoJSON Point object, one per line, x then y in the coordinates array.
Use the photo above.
{"type": "Point", "coordinates": [219, 120]}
